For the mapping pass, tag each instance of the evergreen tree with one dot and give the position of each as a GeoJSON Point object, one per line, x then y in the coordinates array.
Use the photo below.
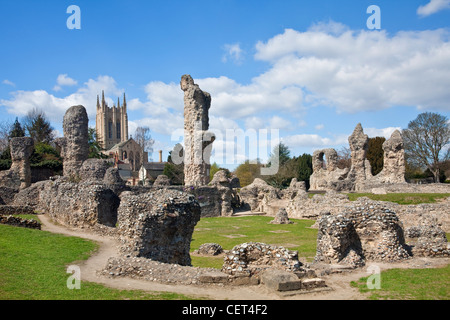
{"type": "Point", "coordinates": [282, 152]}
{"type": "Point", "coordinates": [304, 168]}
{"type": "Point", "coordinates": [375, 154]}
{"type": "Point", "coordinates": [94, 146]}
{"type": "Point", "coordinates": [16, 130]}
{"type": "Point", "coordinates": [38, 127]}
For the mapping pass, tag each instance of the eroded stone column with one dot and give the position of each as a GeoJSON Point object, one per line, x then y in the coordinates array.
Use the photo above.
{"type": "Point", "coordinates": [21, 150]}
{"type": "Point", "coordinates": [197, 139]}
{"type": "Point", "coordinates": [359, 143]}
{"type": "Point", "coordinates": [394, 160]}
{"type": "Point", "coordinates": [74, 145]}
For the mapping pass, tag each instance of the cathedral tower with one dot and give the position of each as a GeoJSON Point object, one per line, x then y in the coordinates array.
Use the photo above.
{"type": "Point", "coordinates": [111, 124]}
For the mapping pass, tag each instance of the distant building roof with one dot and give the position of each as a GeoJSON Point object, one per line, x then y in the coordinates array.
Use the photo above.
{"type": "Point", "coordinates": [154, 166]}
{"type": "Point", "coordinates": [121, 144]}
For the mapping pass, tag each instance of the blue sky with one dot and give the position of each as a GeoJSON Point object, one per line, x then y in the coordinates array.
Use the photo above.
{"type": "Point", "coordinates": [311, 69]}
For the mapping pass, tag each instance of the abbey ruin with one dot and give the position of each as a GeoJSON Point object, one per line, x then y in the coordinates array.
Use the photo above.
{"type": "Point", "coordinates": [359, 177]}
{"type": "Point", "coordinates": [154, 224]}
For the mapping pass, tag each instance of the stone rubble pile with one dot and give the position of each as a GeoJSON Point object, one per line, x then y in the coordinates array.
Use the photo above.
{"type": "Point", "coordinates": [150, 270]}
{"type": "Point", "coordinates": [249, 259]}
{"type": "Point", "coordinates": [210, 249]}
{"type": "Point", "coordinates": [281, 217]}
{"type": "Point", "coordinates": [257, 194]}
{"type": "Point", "coordinates": [427, 239]}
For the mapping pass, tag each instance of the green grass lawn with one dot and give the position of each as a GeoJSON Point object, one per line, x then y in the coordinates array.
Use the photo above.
{"type": "Point", "coordinates": [229, 232]}
{"type": "Point", "coordinates": [401, 198]}
{"type": "Point", "coordinates": [33, 266]}
{"type": "Point", "coordinates": [410, 284]}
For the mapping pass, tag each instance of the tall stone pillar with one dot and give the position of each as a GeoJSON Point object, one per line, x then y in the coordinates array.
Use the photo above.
{"type": "Point", "coordinates": [394, 160]}
{"type": "Point", "coordinates": [359, 143]}
{"type": "Point", "coordinates": [198, 141]}
{"type": "Point", "coordinates": [74, 145]}
{"type": "Point", "coordinates": [21, 150]}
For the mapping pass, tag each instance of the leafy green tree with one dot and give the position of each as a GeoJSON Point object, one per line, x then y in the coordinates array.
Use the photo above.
{"type": "Point", "coordinates": [375, 154]}
{"type": "Point", "coordinates": [46, 156]}
{"type": "Point", "coordinates": [248, 171]}
{"type": "Point", "coordinates": [95, 150]}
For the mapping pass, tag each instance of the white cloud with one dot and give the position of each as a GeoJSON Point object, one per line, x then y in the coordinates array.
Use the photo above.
{"type": "Point", "coordinates": [64, 81]}
{"type": "Point", "coordinates": [233, 52]}
{"type": "Point", "coordinates": [433, 7]}
{"type": "Point", "coordinates": [315, 141]}
{"type": "Point", "coordinates": [319, 127]}
{"type": "Point", "coordinates": [384, 132]}
{"type": "Point", "coordinates": [307, 140]}
{"type": "Point", "coordinates": [279, 123]}
{"type": "Point", "coordinates": [54, 107]}
{"type": "Point", "coordinates": [9, 83]}
{"type": "Point", "coordinates": [359, 70]}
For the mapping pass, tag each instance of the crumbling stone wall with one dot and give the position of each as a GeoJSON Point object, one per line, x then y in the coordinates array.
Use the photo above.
{"type": "Point", "coordinates": [361, 233]}
{"type": "Point", "coordinates": [21, 150]}
{"type": "Point", "coordinates": [18, 177]}
{"type": "Point", "coordinates": [158, 225]}
{"type": "Point", "coordinates": [359, 177]}
{"type": "Point", "coordinates": [427, 238]}
{"type": "Point", "coordinates": [304, 207]}
{"type": "Point", "coordinates": [255, 195]}
{"type": "Point", "coordinates": [82, 204]}
{"type": "Point", "coordinates": [394, 160]}
{"type": "Point", "coordinates": [326, 174]}
{"type": "Point", "coordinates": [197, 139]}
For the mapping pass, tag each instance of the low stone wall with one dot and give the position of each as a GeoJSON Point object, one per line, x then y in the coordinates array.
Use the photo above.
{"type": "Point", "coordinates": [367, 231]}
{"type": "Point", "coordinates": [19, 222]}
{"type": "Point", "coordinates": [6, 210]}
{"type": "Point", "coordinates": [82, 204]}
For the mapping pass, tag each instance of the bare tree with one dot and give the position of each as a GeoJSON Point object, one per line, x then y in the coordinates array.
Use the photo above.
{"type": "Point", "coordinates": [5, 127]}
{"type": "Point", "coordinates": [344, 158]}
{"type": "Point", "coordinates": [425, 141]}
{"type": "Point", "coordinates": [143, 137]}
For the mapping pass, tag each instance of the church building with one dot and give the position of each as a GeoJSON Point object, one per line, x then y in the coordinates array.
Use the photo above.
{"type": "Point", "coordinates": [112, 134]}
{"type": "Point", "coordinates": [111, 127]}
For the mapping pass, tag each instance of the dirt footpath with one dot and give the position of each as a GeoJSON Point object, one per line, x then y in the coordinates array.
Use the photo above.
{"type": "Point", "coordinates": [339, 283]}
